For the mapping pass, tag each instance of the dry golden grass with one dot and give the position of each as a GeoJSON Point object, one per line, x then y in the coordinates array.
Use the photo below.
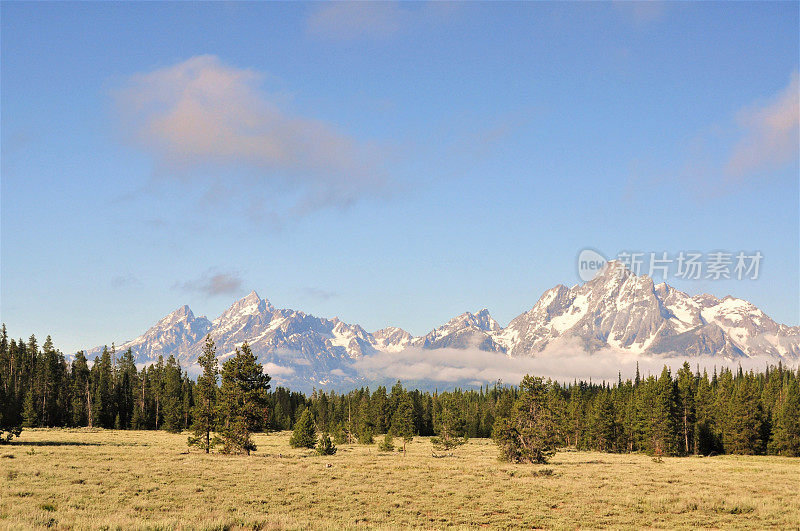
{"type": "Point", "coordinates": [116, 479]}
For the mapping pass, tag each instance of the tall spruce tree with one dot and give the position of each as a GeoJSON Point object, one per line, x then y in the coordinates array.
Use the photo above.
{"type": "Point", "coordinates": [604, 426]}
{"type": "Point", "coordinates": [81, 391]}
{"type": "Point", "coordinates": [127, 384]}
{"type": "Point", "coordinates": [403, 420]}
{"type": "Point", "coordinates": [743, 419]}
{"type": "Point", "coordinates": [242, 401]}
{"type": "Point", "coordinates": [173, 394]}
{"type": "Point", "coordinates": [663, 429]}
{"type": "Point", "coordinates": [305, 434]}
{"type": "Point", "coordinates": [706, 439]}
{"type": "Point", "coordinates": [786, 426]}
{"type": "Point", "coordinates": [451, 431]}
{"type": "Point", "coordinates": [686, 401]}
{"type": "Point", "coordinates": [204, 414]}
{"type": "Point", "coordinates": [102, 403]}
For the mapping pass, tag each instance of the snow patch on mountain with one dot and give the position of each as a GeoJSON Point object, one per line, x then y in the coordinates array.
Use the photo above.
{"type": "Point", "coordinates": [615, 310]}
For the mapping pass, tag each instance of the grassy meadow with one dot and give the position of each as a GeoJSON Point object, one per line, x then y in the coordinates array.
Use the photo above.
{"type": "Point", "coordinates": [128, 479]}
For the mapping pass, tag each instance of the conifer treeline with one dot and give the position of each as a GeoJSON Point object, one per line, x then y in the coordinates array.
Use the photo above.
{"type": "Point", "coordinates": [686, 413]}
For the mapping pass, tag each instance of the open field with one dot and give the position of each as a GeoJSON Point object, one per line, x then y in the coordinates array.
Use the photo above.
{"type": "Point", "coordinates": [85, 478]}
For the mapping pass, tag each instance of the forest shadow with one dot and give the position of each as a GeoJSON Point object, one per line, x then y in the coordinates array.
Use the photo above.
{"type": "Point", "coordinates": [13, 444]}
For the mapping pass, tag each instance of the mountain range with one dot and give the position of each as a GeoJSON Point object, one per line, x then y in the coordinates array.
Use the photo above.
{"type": "Point", "coordinates": [615, 310]}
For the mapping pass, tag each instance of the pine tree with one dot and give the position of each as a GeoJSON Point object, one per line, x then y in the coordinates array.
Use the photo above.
{"type": "Point", "coordinates": [744, 420]}
{"type": "Point", "coordinates": [242, 401]}
{"type": "Point", "coordinates": [403, 420]}
{"type": "Point", "coordinates": [304, 435]}
{"type": "Point", "coordinates": [81, 403]}
{"type": "Point", "coordinates": [529, 435]}
{"type": "Point", "coordinates": [173, 391]}
{"type": "Point", "coordinates": [706, 439]}
{"type": "Point", "coordinates": [127, 385]}
{"type": "Point", "coordinates": [157, 390]}
{"type": "Point", "coordinates": [786, 429]}
{"type": "Point", "coordinates": [686, 401]}
{"type": "Point", "coordinates": [204, 413]}
{"type": "Point", "coordinates": [380, 410]}
{"type": "Point", "coordinates": [575, 415]}
{"type": "Point", "coordinates": [325, 446]}
{"type": "Point", "coordinates": [387, 444]}
{"type": "Point", "coordinates": [52, 373]}
{"type": "Point", "coordinates": [663, 431]}
{"type": "Point", "coordinates": [102, 403]}
{"type": "Point", "coordinates": [451, 431]}
{"type": "Point", "coordinates": [10, 421]}
{"type": "Point", "coordinates": [30, 411]}
{"type": "Point", "coordinates": [9, 428]}
{"type": "Point", "coordinates": [365, 435]}
{"type": "Point", "coordinates": [603, 425]}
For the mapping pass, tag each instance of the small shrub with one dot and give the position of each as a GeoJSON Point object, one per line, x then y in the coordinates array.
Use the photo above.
{"type": "Point", "coordinates": [325, 446]}
{"type": "Point", "coordinates": [387, 444]}
{"type": "Point", "coordinates": [12, 474]}
{"type": "Point", "coordinates": [47, 507]}
{"type": "Point", "coordinates": [304, 435]}
{"type": "Point", "coordinates": [365, 436]}
{"type": "Point", "coordinates": [446, 442]}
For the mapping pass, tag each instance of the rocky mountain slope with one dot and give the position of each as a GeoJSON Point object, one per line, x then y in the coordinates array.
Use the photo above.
{"type": "Point", "coordinates": [620, 310]}
{"type": "Point", "coordinates": [615, 310]}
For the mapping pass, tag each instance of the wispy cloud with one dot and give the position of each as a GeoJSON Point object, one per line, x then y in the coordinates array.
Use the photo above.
{"type": "Point", "coordinates": [210, 123]}
{"type": "Point", "coordinates": [641, 12]}
{"type": "Point", "coordinates": [371, 19]}
{"type": "Point", "coordinates": [769, 134]}
{"type": "Point", "coordinates": [763, 139]}
{"type": "Point", "coordinates": [125, 281]}
{"type": "Point", "coordinates": [213, 283]}
{"type": "Point", "coordinates": [474, 138]}
{"type": "Point", "coordinates": [347, 20]}
{"type": "Point", "coordinates": [319, 293]}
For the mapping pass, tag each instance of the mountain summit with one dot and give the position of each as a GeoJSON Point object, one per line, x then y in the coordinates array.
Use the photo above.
{"type": "Point", "coordinates": [615, 310]}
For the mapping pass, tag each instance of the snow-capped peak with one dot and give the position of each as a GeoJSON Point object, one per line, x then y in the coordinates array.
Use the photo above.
{"type": "Point", "coordinates": [183, 313]}
{"type": "Point", "coordinates": [249, 305]}
{"type": "Point", "coordinates": [616, 309]}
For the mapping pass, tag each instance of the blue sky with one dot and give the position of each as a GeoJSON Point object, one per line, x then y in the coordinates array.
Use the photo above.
{"type": "Point", "coordinates": [389, 163]}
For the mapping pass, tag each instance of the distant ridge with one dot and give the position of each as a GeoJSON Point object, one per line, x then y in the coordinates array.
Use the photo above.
{"type": "Point", "coordinates": [617, 309]}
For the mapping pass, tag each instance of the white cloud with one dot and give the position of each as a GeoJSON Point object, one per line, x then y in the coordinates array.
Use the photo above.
{"type": "Point", "coordinates": [769, 133]}
{"type": "Point", "coordinates": [563, 363]}
{"type": "Point", "coordinates": [345, 20]}
{"type": "Point", "coordinates": [277, 370]}
{"type": "Point", "coordinates": [203, 120]}
{"type": "Point", "coordinates": [373, 19]}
